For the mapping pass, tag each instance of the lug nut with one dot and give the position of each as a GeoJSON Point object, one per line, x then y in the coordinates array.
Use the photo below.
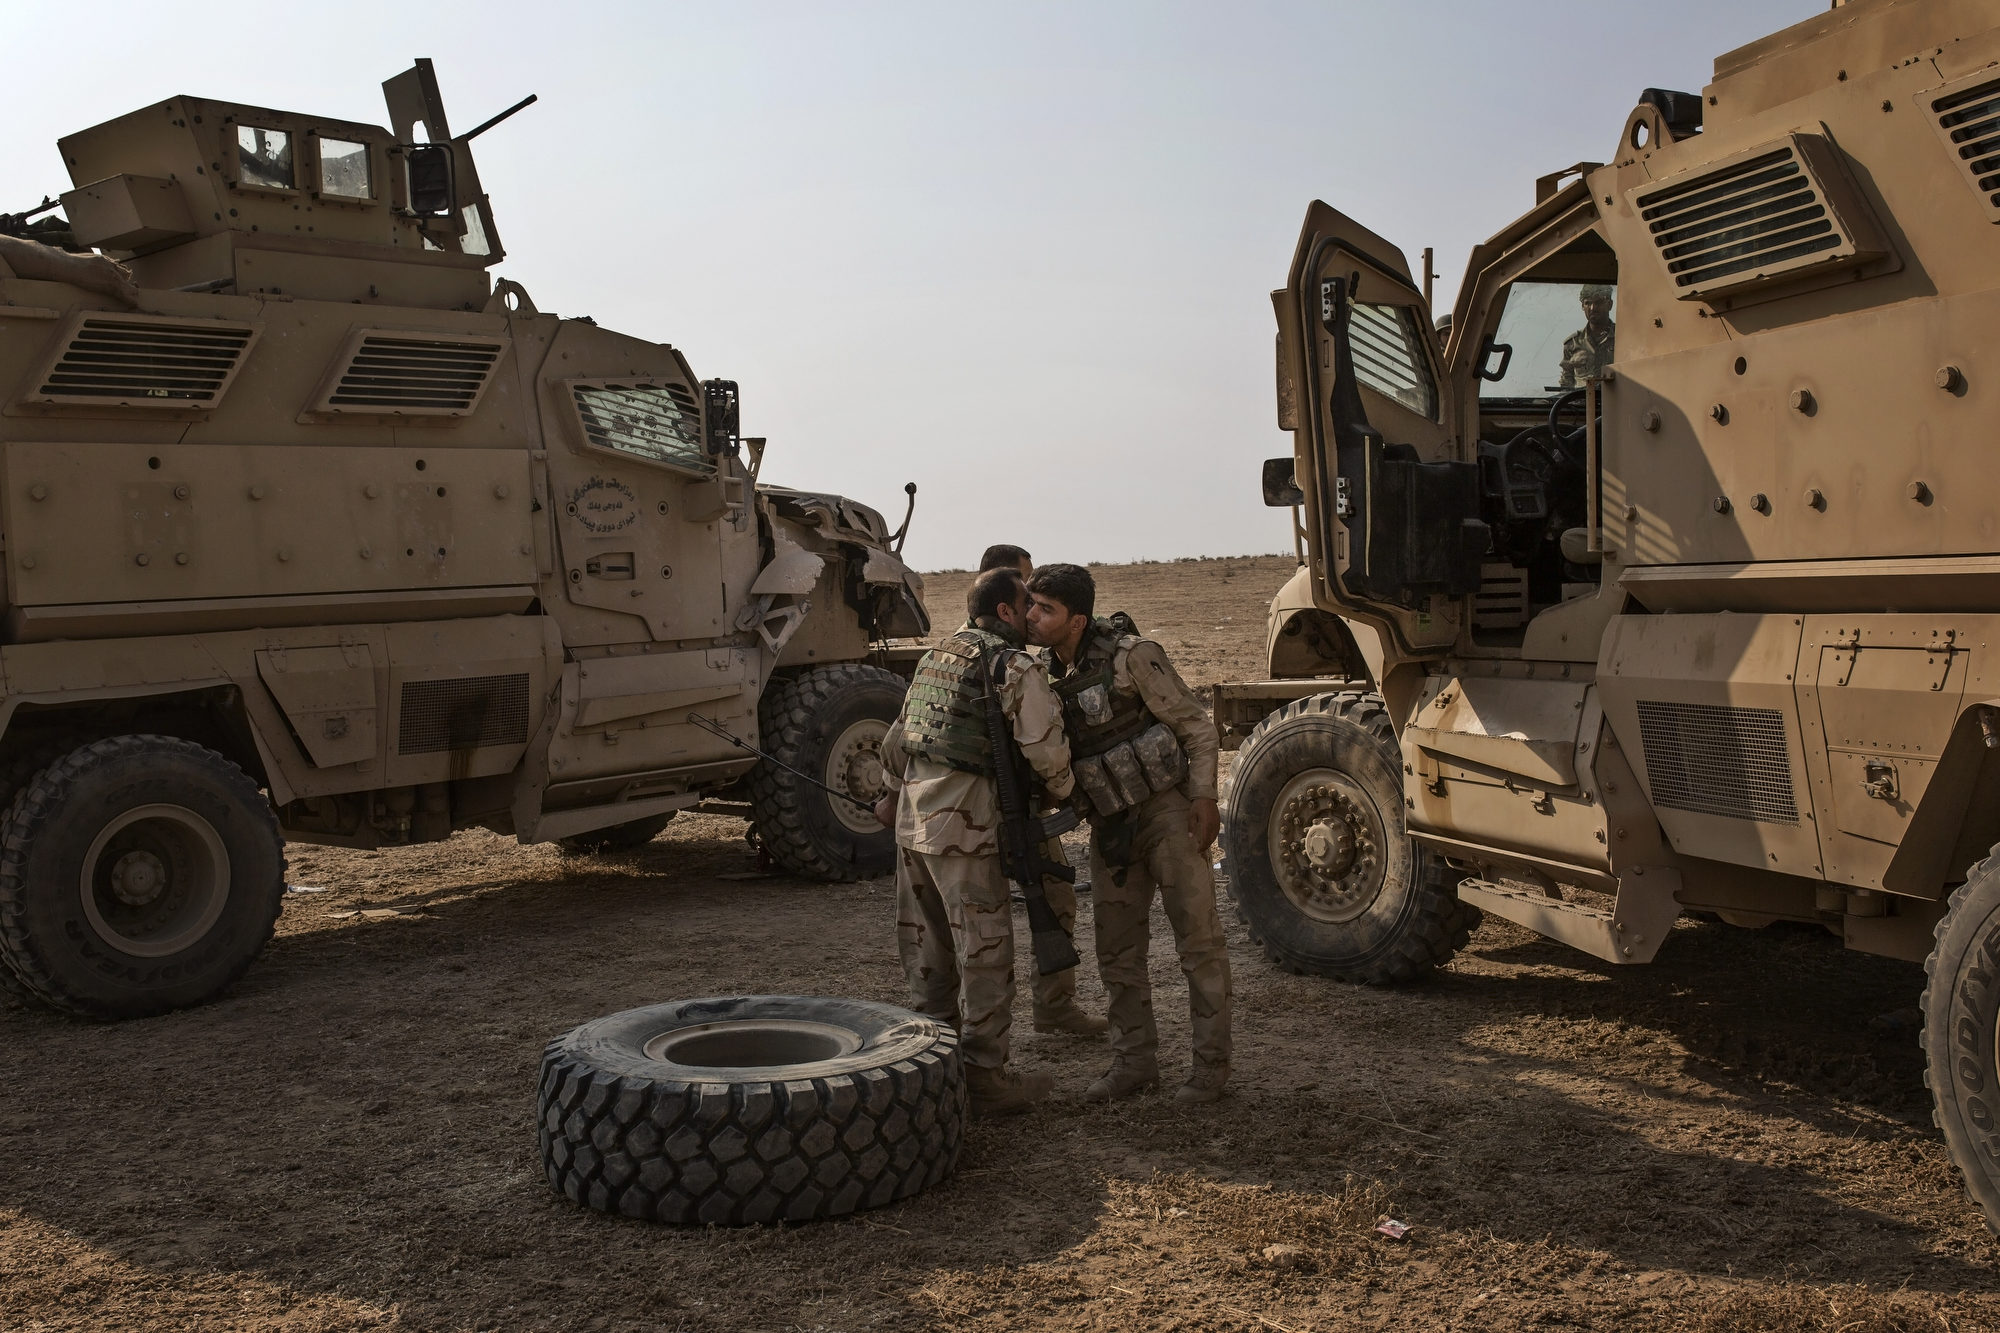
{"type": "Point", "coordinates": [1949, 379]}
{"type": "Point", "coordinates": [1919, 492]}
{"type": "Point", "coordinates": [1721, 504]}
{"type": "Point", "coordinates": [1649, 420]}
{"type": "Point", "coordinates": [1802, 400]}
{"type": "Point", "coordinates": [1814, 500]}
{"type": "Point", "coordinates": [1761, 503]}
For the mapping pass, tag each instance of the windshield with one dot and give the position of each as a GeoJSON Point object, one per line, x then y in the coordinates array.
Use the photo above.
{"type": "Point", "coordinates": [1561, 333]}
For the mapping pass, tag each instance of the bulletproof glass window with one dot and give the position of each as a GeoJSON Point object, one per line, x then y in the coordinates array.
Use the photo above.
{"type": "Point", "coordinates": [654, 421]}
{"type": "Point", "coordinates": [1387, 342]}
{"type": "Point", "coordinates": [474, 241]}
{"type": "Point", "coordinates": [264, 158]}
{"type": "Point", "coordinates": [1556, 340]}
{"type": "Point", "coordinates": [343, 169]}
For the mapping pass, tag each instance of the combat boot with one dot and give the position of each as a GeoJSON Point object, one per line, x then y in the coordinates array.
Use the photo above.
{"type": "Point", "coordinates": [1004, 1091]}
{"type": "Point", "coordinates": [1124, 1078]}
{"type": "Point", "coordinates": [1072, 1021]}
{"type": "Point", "coordinates": [1203, 1085]}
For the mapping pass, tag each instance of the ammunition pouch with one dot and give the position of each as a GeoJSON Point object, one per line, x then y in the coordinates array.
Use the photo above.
{"type": "Point", "coordinates": [1131, 771]}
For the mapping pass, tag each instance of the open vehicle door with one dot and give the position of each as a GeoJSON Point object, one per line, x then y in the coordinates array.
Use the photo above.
{"type": "Point", "coordinates": [1391, 514]}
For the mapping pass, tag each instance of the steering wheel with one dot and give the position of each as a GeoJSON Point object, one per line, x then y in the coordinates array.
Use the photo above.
{"type": "Point", "coordinates": [1561, 403]}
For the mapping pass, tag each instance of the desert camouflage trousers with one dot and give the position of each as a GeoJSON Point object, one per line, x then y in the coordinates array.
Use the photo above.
{"type": "Point", "coordinates": [1165, 861]}
{"type": "Point", "coordinates": [955, 931]}
{"type": "Point", "coordinates": [1055, 992]}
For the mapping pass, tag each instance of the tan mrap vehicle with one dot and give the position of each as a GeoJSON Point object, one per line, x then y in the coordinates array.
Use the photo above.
{"type": "Point", "coordinates": [312, 532]}
{"type": "Point", "coordinates": [1706, 618]}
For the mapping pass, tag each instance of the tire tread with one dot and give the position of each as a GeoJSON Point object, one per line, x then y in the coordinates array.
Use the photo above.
{"type": "Point", "coordinates": [786, 717]}
{"type": "Point", "coordinates": [1442, 926]}
{"type": "Point", "coordinates": [38, 801]}
{"type": "Point", "coordinates": [752, 1152]}
{"type": "Point", "coordinates": [1984, 1193]}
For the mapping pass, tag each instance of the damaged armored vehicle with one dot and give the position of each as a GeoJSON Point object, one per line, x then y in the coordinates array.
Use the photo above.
{"type": "Point", "coordinates": [315, 532]}
{"type": "Point", "coordinates": [1669, 579]}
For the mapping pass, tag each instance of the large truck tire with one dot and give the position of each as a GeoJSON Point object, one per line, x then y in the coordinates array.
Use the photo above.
{"type": "Point", "coordinates": [827, 723]}
{"type": "Point", "coordinates": [763, 1108]}
{"type": "Point", "coordinates": [1961, 1008]}
{"type": "Point", "coordinates": [138, 874]}
{"type": "Point", "coordinates": [16, 772]}
{"type": "Point", "coordinates": [627, 837]}
{"type": "Point", "coordinates": [1317, 854]}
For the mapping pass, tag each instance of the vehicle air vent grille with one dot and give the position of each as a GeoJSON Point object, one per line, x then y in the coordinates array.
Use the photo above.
{"type": "Point", "coordinates": [1763, 215]}
{"type": "Point", "coordinates": [464, 714]}
{"type": "Point", "coordinates": [655, 420]}
{"type": "Point", "coordinates": [1712, 759]}
{"type": "Point", "coordinates": [111, 361]}
{"type": "Point", "coordinates": [400, 374]}
{"type": "Point", "coordinates": [1967, 115]}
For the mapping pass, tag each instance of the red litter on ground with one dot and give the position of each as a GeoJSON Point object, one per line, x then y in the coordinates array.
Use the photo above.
{"type": "Point", "coordinates": [1390, 1227]}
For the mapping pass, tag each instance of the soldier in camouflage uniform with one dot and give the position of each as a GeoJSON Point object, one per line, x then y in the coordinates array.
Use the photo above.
{"type": "Point", "coordinates": [1588, 352]}
{"type": "Point", "coordinates": [1056, 1009]}
{"type": "Point", "coordinates": [955, 923]}
{"type": "Point", "coordinates": [1117, 687]}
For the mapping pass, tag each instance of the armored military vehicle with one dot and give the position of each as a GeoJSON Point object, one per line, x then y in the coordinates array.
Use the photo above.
{"type": "Point", "coordinates": [315, 532]}
{"type": "Point", "coordinates": [1669, 579]}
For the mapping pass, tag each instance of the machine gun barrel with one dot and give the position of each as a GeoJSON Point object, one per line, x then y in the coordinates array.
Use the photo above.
{"type": "Point", "coordinates": [486, 125]}
{"type": "Point", "coordinates": [1022, 836]}
{"type": "Point", "coordinates": [11, 223]}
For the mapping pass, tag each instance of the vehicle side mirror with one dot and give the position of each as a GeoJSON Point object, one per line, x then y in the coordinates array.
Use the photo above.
{"type": "Point", "coordinates": [720, 407]}
{"type": "Point", "coordinates": [1281, 486]}
{"type": "Point", "coordinates": [1487, 351]}
{"type": "Point", "coordinates": [431, 193]}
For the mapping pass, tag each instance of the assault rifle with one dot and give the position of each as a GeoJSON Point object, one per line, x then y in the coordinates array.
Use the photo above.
{"type": "Point", "coordinates": [1022, 836]}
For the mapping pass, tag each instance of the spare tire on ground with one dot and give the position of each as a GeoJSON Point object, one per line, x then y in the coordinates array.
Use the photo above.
{"type": "Point", "coordinates": [762, 1108]}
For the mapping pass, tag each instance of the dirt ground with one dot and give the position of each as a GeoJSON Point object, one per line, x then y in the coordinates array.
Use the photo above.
{"type": "Point", "coordinates": [1735, 1137]}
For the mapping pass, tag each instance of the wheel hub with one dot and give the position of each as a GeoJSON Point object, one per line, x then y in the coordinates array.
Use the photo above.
{"type": "Point", "coordinates": [854, 766]}
{"type": "Point", "coordinates": [138, 877]}
{"type": "Point", "coordinates": [1330, 848]}
{"type": "Point", "coordinates": [1325, 841]}
{"type": "Point", "coordinates": [154, 880]}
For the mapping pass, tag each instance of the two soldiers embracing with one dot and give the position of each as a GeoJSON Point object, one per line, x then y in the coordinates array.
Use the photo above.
{"type": "Point", "coordinates": [1106, 723]}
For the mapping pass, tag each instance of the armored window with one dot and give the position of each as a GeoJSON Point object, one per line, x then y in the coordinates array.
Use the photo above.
{"type": "Point", "coordinates": [343, 169]}
{"type": "Point", "coordinates": [1388, 347]}
{"type": "Point", "coordinates": [1554, 340]}
{"type": "Point", "coordinates": [264, 158]}
{"type": "Point", "coordinates": [474, 242]}
{"type": "Point", "coordinates": [650, 419]}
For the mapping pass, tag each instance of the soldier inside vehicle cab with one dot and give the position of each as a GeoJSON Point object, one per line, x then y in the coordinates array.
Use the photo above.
{"type": "Point", "coordinates": [1587, 352]}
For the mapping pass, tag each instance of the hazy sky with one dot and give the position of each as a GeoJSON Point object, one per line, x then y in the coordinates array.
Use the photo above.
{"type": "Point", "coordinates": [1018, 253]}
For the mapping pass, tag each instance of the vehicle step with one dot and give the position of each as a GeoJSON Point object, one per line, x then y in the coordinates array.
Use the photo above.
{"type": "Point", "coordinates": [1614, 936]}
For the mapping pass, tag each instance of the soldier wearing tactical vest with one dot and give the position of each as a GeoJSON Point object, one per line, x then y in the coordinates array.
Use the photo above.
{"type": "Point", "coordinates": [1143, 755]}
{"type": "Point", "coordinates": [955, 922]}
